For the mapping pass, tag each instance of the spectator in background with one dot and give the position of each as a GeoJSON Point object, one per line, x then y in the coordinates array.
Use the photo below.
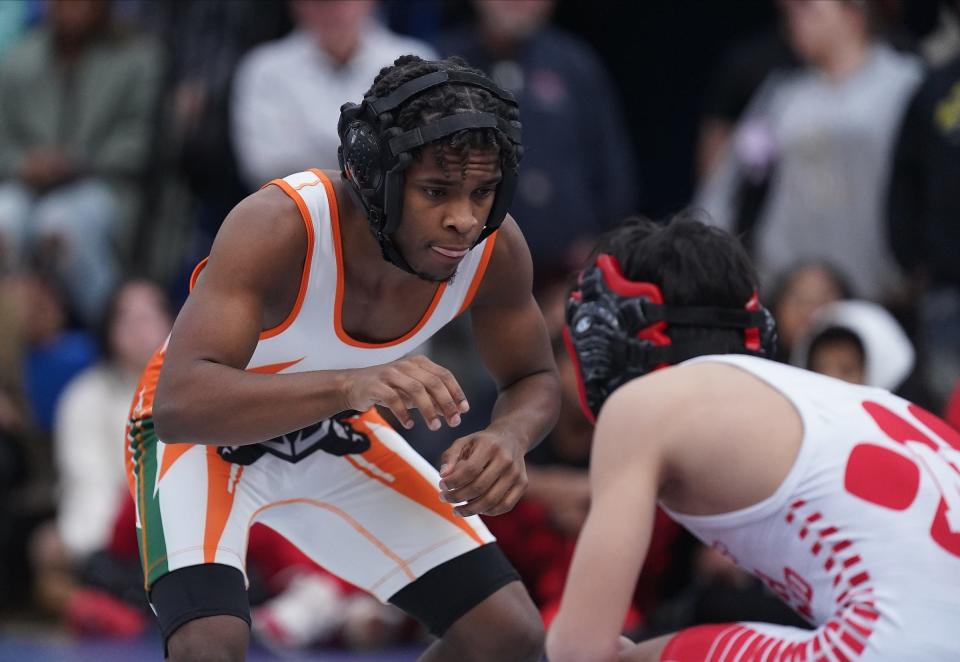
{"type": "Point", "coordinates": [796, 296]}
{"type": "Point", "coordinates": [287, 93]}
{"type": "Point", "coordinates": [824, 137]}
{"type": "Point", "coordinates": [856, 341]}
{"type": "Point", "coordinates": [923, 216]}
{"type": "Point", "coordinates": [75, 569]}
{"type": "Point", "coordinates": [54, 352]}
{"type": "Point", "coordinates": [578, 171]}
{"type": "Point", "coordinates": [194, 177]}
{"type": "Point", "coordinates": [76, 101]}
{"type": "Point", "coordinates": [740, 73]}
{"type": "Point", "coordinates": [206, 41]}
{"type": "Point", "coordinates": [19, 459]}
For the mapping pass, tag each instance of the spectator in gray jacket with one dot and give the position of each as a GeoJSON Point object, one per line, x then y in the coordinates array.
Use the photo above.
{"type": "Point", "coordinates": [823, 137]}
{"type": "Point", "coordinates": [77, 98]}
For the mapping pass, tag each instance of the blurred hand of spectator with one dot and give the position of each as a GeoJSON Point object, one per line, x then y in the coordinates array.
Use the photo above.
{"type": "Point", "coordinates": [43, 169]}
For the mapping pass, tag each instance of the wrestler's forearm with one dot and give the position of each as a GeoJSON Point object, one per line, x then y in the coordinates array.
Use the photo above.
{"type": "Point", "coordinates": [528, 409]}
{"type": "Point", "coordinates": [210, 403]}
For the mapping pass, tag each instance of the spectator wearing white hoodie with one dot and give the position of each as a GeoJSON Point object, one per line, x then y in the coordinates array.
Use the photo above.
{"type": "Point", "coordinates": [857, 341]}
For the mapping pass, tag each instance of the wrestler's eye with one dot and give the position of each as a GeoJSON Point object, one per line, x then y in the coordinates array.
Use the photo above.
{"type": "Point", "coordinates": [483, 193]}
{"type": "Point", "coordinates": [434, 193]}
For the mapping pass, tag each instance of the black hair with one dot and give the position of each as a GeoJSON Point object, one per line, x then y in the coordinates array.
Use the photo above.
{"type": "Point", "coordinates": [444, 100]}
{"type": "Point", "coordinates": [693, 264]}
{"type": "Point", "coordinates": [111, 310]}
{"type": "Point", "coordinates": [836, 334]}
{"type": "Point", "coordinates": [41, 269]}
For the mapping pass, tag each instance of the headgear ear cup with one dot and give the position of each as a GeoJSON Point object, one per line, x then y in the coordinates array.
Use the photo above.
{"type": "Point", "coordinates": [361, 151]}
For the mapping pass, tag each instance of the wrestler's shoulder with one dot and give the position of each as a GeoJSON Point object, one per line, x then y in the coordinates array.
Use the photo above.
{"type": "Point", "coordinates": [266, 217]}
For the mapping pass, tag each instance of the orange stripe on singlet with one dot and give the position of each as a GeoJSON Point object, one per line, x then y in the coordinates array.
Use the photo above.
{"type": "Point", "coordinates": [196, 272]}
{"type": "Point", "coordinates": [142, 405]}
{"type": "Point", "coordinates": [357, 526]}
{"type": "Point", "coordinates": [407, 480]}
{"type": "Point", "coordinates": [171, 453]}
{"type": "Point", "coordinates": [274, 368]}
{"type": "Point", "coordinates": [141, 408]}
{"type": "Point", "coordinates": [481, 269]}
{"type": "Point", "coordinates": [308, 259]}
{"type": "Point", "coordinates": [220, 496]}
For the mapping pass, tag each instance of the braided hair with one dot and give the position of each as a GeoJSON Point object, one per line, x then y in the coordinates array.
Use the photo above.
{"type": "Point", "coordinates": [444, 100]}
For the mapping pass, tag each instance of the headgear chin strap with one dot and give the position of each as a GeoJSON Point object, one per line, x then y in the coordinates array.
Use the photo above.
{"type": "Point", "coordinates": [374, 153]}
{"type": "Point", "coordinates": [617, 330]}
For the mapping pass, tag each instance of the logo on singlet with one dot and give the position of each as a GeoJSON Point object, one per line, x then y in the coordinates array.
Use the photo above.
{"type": "Point", "coordinates": [335, 435]}
{"type": "Point", "coordinates": [884, 477]}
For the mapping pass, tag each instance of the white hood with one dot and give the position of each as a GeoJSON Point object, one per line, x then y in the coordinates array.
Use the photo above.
{"type": "Point", "coordinates": [888, 353]}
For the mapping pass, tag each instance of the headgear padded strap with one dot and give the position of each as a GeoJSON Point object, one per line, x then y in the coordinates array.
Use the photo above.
{"type": "Point", "coordinates": [447, 125]}
{"type": "Point", "coordinates": [418, 85]}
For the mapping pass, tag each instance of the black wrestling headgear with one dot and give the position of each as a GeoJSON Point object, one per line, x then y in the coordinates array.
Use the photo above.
{"type": "Point", "coordinates": [374, 152]}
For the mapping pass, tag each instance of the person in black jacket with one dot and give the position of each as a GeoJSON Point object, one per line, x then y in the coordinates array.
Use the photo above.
{"type": "Point", "coordinates": [922, 214]}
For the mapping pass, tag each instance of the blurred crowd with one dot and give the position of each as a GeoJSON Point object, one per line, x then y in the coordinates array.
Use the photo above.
{"type": "Point", "coordinates": [827, 137]}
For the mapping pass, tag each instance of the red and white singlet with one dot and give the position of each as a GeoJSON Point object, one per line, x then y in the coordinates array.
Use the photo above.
{"type": "Point", "coordinates": [862, 538]}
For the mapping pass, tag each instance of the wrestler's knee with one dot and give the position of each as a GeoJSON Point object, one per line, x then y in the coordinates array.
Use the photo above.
{"type": "Point", "coordinates": [209, 639]}
{"type": "Point", "coordinates": [506, 626]}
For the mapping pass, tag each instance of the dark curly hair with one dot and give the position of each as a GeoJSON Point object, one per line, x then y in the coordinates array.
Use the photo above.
{"type": "Point", "coordinates": [445, 100]}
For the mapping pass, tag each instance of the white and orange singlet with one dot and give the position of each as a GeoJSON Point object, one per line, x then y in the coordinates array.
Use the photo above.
{"type": "Point", "coordinates": [862, 538]}
{"type": "Point", "coordinates": [348, 491]}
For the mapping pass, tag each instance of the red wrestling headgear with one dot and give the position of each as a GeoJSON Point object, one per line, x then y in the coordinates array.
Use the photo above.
{"type": "Point", "coordinates": [617, 329]}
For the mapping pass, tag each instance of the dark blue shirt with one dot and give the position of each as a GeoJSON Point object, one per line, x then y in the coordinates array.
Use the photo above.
{"type": "Point", "coordinates": [577, 176]}
{"type": "Point", "coordinates": [48, 369]}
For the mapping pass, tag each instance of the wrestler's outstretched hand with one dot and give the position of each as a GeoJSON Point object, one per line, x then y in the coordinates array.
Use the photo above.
{"type": "Point", "coordinates": [413, 382]}
{"type": "Point", "coordinates": [483, 472]}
